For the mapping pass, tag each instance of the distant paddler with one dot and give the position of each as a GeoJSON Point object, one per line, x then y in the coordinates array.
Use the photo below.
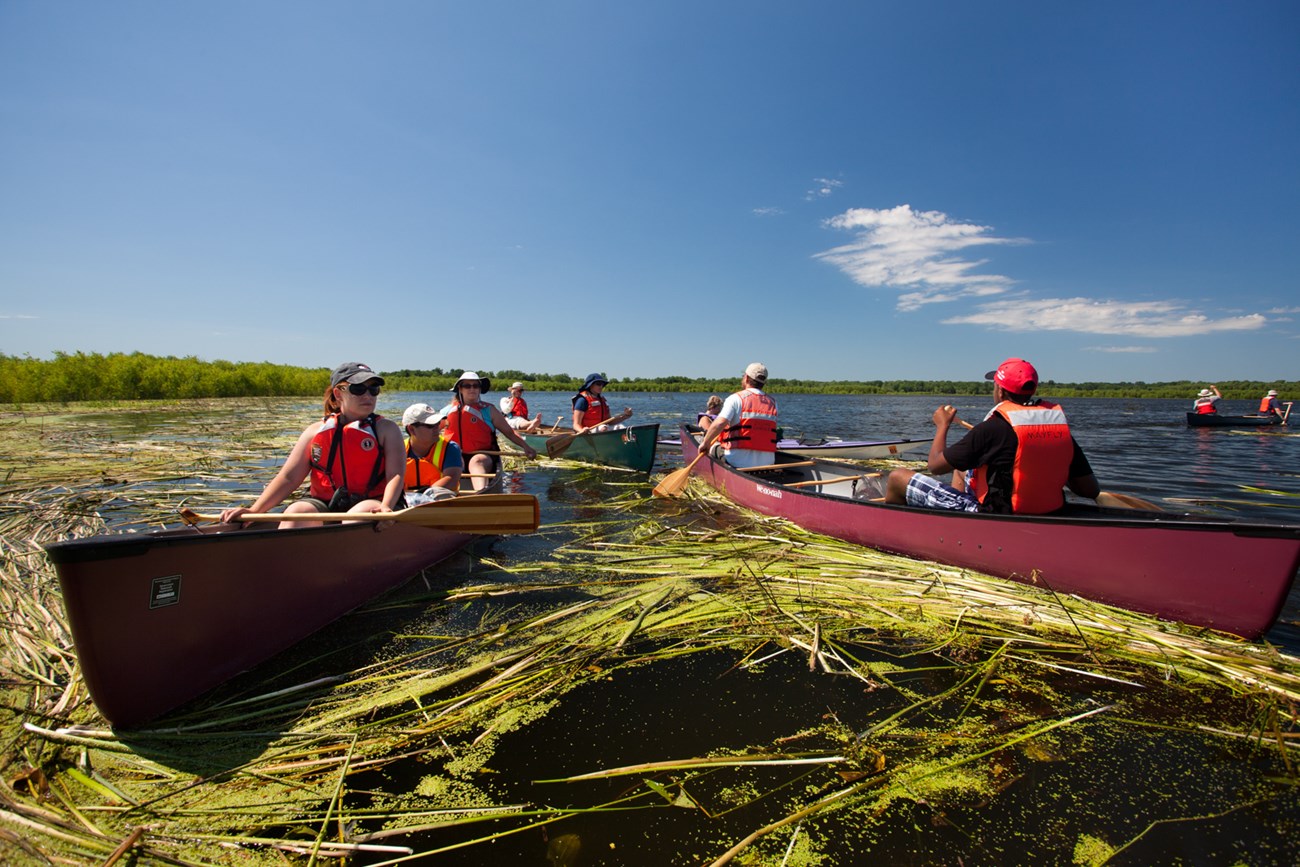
{"type": "Point", "coordinates": [591, 410]}
{"type": "Point", "coordinates": [1207, 401]}
{"type": "Point", "coordinates": [515, 409]}
{"type": "Point", "coordinates": [473, 424]}
{"type": "Point", "coordinates": [1270, 405]}
{"type": "Point", "coordinates": [354, 457]}
{"type": "Point", "coordinates": [745, 429]}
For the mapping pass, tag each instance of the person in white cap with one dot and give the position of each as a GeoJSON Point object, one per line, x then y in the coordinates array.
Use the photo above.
{"type": "Point", "coordinates": [745, 428]}
{"type": "Point", "coordinates": [515, 409]}
{"type": "Point", "coordinates": [1270, 405]}
{"type": "Point", "coordinates": [433, 462]}
{"type": "Point", "coordinates": [473, 424]}
{"type": "Point", "coordinates": [1207, 400]}
{"type": "Point", "coordinates": [1015, 461]}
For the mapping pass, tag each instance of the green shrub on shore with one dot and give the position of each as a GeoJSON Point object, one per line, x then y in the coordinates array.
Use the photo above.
{"type": "Point", "coordinates": [82, 376]}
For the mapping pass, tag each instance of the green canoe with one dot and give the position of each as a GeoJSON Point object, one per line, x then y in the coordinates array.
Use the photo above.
{"type": "Point", "coordinates": [630, 447]}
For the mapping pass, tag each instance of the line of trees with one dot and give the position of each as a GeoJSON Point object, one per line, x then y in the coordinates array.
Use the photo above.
{"type": "Point", "coordinates": [84, 376]}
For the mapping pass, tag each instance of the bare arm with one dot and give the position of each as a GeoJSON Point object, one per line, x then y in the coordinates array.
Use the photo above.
{"type": "Point", "coordinates": [503, 426]}
{"type": "Point", "coordinates": [291, 475]}
{"type": "Point", "coordinates": [943, 418]}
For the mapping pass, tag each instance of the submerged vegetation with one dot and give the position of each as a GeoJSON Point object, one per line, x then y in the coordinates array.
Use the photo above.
{"type": "Point", "coordinates": [119, 376]}
{"type": "Point", "coordinates": [649, 682]}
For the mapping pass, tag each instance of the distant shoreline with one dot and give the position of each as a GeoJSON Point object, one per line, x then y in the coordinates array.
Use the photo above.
{"type": "Point", "coordinates": [121, 377]}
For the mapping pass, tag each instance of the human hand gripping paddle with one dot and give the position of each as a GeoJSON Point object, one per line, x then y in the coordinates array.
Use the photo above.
{"type": "Point", "coordinates": [494, 514]}
{"type": "Point", "coordinates": [1109, 499]}
{"type": "Point", "coordinates": [559, 444]}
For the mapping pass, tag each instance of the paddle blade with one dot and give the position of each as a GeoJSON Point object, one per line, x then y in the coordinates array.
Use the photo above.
{"type": "Point", "coordinates": [1126, 501]}
{"type": "Point", "coordinates": [558, 445]}
{"type": "Point", "coordinates": [483, 513]}
{"type": "Point", "coordinates": [673, 484]}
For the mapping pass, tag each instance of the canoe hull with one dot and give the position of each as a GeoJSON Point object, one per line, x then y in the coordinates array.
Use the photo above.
{"type": "Point", "coordinates": [1225, 575]}
{"type": "Point", "coordinates": [631, 448]}
{"type": "Point", "coordinates": [1195, 419]}
{"type": "Point", "coordinates": [159, 618]}
{"type": "Point", "coordinates": [846, 450]}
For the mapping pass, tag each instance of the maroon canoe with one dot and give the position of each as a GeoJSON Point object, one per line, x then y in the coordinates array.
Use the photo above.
{"type": "Point", "coordinates": [159, 618]}
{"type": "Point", "coordinates": [1228, 575]}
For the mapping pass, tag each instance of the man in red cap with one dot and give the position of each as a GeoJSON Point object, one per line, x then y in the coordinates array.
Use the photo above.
{"type": "Point", "coordinates": [1015, 461]}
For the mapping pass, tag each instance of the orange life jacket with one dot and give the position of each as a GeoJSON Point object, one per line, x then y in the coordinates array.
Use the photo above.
{"type": "Point", "coordinates": [520, 408]}
{"type": "Point", "coordinates": [1266, 405]}
{"type": "Point", "coordinates": [347, 457]}
{"type": "Point", "coordinates": [756, 429]}
{"type": "Point", "coordinates": [597, 408]}
{"type": "Point", "coordinates": [470, 427]}
{"type": "Point", "coordinates": [422, 472]}
{"type": "Point", "coordinates": [1043, 454]}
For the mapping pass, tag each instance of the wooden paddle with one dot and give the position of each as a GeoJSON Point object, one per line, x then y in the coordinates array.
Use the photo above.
{"type": "Point", "coordinates": [836, 481]}
{"type": "Point", "coordinates": [1109, 499]}
{"type": "Point", "coordinates": [675, 482]}
{"type": "Point", "coordinates": [559, 444]}
{"type": "Point", "coordinates": [788, 466]}
{"type": "Point", "coordinates": [491, 514]}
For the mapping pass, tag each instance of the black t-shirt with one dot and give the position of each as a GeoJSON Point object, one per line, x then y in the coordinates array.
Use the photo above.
{"type": "Point", "coordinates": [993, 443]}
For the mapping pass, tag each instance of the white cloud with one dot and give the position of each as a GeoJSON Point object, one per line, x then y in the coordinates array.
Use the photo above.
{"type": "Point", "coordinates": [822, 188]}
{"type": "Point", "coordinates": [1122, 349]}
{"type": "Point", "coordinates": [904, 249]}
{"type": "Point", "coordinates": [767, 212]}
{"type": "Point", "coordinates": [1281, 310]}
{"type": "Point", "coordinates": [1127, 318]}
{"type": "Point", "coordinates": [17, 316]}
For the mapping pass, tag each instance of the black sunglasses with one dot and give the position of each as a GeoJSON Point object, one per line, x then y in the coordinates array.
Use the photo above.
{"type": "Point", "coordinates": [361, 388]}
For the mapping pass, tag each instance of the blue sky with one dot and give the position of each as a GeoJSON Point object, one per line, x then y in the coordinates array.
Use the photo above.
{"type": "Point", "coordinates": [866, 190]}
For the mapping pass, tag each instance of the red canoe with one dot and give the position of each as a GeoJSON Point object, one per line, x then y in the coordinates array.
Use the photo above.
{"type": "Point", "coordinates": [159, 618]}
{"type": "Point", "coordinates": [1228, 575]}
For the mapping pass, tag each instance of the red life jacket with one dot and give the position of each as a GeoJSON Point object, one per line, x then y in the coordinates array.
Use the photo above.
{"type": "Point", "coordinates": [422, 472]}
{"type": "Point", "coordinates": [520, 408]}
{"type": "Point", "coordinates": [1205, 406]}
{"type": "Point", "coordinates": [597, 408]}
{"type": "Point", "coordinates": [470, 425]}
{"type": "Point", "coordinates": [1043, 454]}
{"type": "Point", "coordinates": [348, 457]}
{"type": "Point", "coordinates": [756, 429]}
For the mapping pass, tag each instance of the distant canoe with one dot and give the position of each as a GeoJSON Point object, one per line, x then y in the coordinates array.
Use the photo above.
{"type": "Point", "coordinates": [845, 450]}
{"type": "Point", "coordinates": [631, 448]}
{"type": "Point", "coordinates": [1214, 419]}
{"type": "Point", "coordinates": [857, 450]}
{"type": "Point", "coordinates": [159, 618]}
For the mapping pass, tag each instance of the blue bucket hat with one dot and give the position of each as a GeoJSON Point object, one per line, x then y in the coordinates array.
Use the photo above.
{"type": "Point", "coordinates": [593, 378]}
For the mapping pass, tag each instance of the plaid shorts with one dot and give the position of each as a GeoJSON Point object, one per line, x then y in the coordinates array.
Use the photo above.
{"type": "Point", "coordinates": [930, 493]}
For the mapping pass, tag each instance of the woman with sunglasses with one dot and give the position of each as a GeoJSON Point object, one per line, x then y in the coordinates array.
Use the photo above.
{"type": "Point", "coordinates": [355, 458]}
{"type": "Point", "coordinates": [473, 424]}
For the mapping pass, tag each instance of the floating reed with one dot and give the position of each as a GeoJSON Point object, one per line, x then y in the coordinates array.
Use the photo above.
{"type": "Point", "coordinates": [932, 695]}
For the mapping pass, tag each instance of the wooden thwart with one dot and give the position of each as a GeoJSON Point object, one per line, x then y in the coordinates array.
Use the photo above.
{"type": "Point", "coordinates": [485, 513]}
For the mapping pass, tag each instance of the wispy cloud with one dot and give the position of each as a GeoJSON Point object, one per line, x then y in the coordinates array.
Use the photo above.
{"type": "Point", "coordinates": [899, 248]}
{"type": "Point", "coordinates": [1284, 310]}
{"type": "Point", "coordinates": [17, 316]}
{"type": "Point", "coordinates": [767, 212]}
{"type": "Point", "coordinates": [822, 187]}
{"type": "Point", "coordinates": [1120, 349]}
{"type": "Point", "coordinates": [1127, 318]}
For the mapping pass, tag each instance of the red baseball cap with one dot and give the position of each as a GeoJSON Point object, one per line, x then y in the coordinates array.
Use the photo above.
{"type": "Point", "coordinates": [1016, 376]}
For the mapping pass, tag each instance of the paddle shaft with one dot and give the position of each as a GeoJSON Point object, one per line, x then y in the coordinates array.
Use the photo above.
{"type": "Point", "coordinates": [788, 466]}
{"type": "Point", "coordinates": [484, 513]}
{"type": "Point", "coordinates": [835, 481]}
